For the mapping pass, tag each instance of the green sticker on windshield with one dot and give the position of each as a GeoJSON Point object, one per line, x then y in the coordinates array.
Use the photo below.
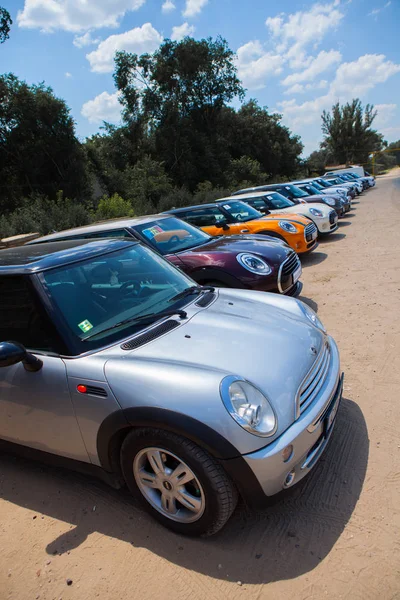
{"type": "Point", "coordinates": [85, 326]}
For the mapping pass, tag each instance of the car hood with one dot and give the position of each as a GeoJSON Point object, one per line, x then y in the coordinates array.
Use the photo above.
{"type": "Point", "coordinates": [263, 338]}
{"type": "Point", "coordinates": [304, 208]}
{"type": "Point", "coordinates": [235, 244]}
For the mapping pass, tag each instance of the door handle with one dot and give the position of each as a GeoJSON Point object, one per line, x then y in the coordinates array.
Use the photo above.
{"type": "Point", "coordinates": [244, 230]}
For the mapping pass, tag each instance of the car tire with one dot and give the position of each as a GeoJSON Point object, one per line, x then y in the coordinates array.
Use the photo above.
{"type": "Point", "coordinates": [210, 494]}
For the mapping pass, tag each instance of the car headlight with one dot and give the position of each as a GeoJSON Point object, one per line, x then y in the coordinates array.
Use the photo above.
{"type": "Point", "coordinates": [288, 226]}
{"type": "Point", "coordinates": [254, 264]}
{"type": "Point", "coordinates": [248, 406]}
{"type": "Point", "coordinates": [330, 201]}
{"type": "Point", "coordinates": [311, 316]}
{"type": "Point", "coordinates": [316, 212]}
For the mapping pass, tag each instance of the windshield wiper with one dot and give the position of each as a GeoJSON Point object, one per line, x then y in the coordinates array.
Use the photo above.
{"type": "Point", "coordinates": [194, 289]}
{"type": "Point", "coordinates": [150, 318]}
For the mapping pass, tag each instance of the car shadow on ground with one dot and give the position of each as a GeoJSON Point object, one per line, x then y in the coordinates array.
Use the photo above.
{"type": "Point", "coordinates": [314, 258]}
{"type": "Point", "coordinates": [311, 303]}
{"type": "Point", "coordinates": [345, 223]}
{"type": "Point", "coordinates": [284, 541]}
{"type": "Point", "coordinates": [332, 237]}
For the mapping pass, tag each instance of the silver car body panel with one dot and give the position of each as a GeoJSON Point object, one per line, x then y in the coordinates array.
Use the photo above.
{"type": "Point", "coordinates": [36, 409]}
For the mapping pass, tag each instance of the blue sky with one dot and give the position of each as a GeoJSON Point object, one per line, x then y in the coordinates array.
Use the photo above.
{"type": "Point", "coordinates": [296, 57]}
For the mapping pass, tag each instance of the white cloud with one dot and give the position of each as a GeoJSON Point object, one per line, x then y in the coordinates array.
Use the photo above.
{"type": "Point", "coordinates": [80, 41]}
{"type": "Point", "coordinates": [376, 11]}
{"type": "Point", "coordinates": [318, 65]}
{"type": "Point", "coordinates": [299, 88]}
{"type": "Point", "coordinates": [105, 107]}
{"type": "Point", "coordinates": [168, 6]}
{"type": "Point", "coordinates": [138, 40]}
{"type": "Point", "coordinates": [255, 65]}
{"type": "Point", "coordinates": [294, 32]}
{"type": "Point", "coordinates": [68, 75]}
{"type": "Point", "coordinates": [385, 114]}
{"type": "Point", "coordinates": [181, 31]}
{"type": "Point", "coordinates": [194, 7]}
{"type": "Point", "coordinates": [357, 77]}
{"type": "Point", "coordinates": [74, 15]}
{"type": "Point", "coordinates": [353, 79]}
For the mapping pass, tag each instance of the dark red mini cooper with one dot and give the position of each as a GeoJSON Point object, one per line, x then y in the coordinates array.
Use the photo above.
{"type": "Point", "coordinates": [249, 262]}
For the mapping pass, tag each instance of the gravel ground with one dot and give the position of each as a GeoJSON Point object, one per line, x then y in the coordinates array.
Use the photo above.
{"type": "Point", "coordinates": [335, 536]}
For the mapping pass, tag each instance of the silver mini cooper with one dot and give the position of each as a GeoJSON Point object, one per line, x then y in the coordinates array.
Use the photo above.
{"type": "Point", "coordinates": [114, 361]}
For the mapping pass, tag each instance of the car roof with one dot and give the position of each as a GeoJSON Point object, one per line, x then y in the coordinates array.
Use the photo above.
{"type": "Point", "coordinates": [243, 196]}
{"type": "Point", "coordinates": [98, 227]}
{"type": "Point", "coordinates": [176, 211]}
{"type": "Point", "coordinates": [40, 257]}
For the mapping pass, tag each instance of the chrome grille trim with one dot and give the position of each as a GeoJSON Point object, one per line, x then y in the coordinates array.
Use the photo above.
{"type": "Point", "coordinates": [313, 382]}
{"type": "Point", "coordinates": [332, 216]}
{"type": "Point", "coordinates": [287, 268]}
{"type": "Point", "coordinates": [308, 232]}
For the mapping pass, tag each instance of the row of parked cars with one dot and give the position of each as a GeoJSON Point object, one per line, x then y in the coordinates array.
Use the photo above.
{"type": "Point", "coordinates": [124, 355]}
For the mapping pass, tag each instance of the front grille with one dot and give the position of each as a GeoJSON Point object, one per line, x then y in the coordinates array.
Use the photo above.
{"type": "Point", "coordinates": [288, 267]}
{"type": "Point", "coordinates": [150, 335]}
{"type": "Point", "coordinates": [314, 381]}
{"type": "Point", "coordinates": [332, 216]}
{"type": "Point", "coordinates": [309, 231]}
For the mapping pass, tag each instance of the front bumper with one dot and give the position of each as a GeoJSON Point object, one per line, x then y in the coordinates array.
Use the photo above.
{"type": "Point", "coordinates": [327, 224]}
{"type": "Point", "coordinates": [309, 436]}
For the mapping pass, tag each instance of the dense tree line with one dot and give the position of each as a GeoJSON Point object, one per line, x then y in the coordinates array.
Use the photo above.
{"type": "Point", "coordinates": [180, 141]}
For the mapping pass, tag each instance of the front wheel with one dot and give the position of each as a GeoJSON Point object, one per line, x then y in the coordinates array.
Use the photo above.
{"type": "Point", "coordinates": [177, 482]}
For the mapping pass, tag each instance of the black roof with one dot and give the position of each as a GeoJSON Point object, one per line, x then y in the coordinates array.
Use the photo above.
{"type": "Point", "coordinates": [39, 257]}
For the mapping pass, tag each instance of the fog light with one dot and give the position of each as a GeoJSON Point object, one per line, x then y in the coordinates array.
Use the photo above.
{"type": "Point", "coordinates": [287, 453]}
{"type": "Point", "coordinates": [290, 479]}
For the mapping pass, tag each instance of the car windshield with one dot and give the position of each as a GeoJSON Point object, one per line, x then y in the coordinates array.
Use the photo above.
{"type": "Point", "coordinates": [311, 189]}
{"type": "Point", "coordinates": [324, 183]}
{"type": "Point", "coordinates": [100, 298]}
{"type": "Point", "coordinates": [276, 200]}
{"type": "Point", "coordinates": [240, 211]}
{"type": "Point", "coordinates": [172, 235]}
{"type": "Point", "coordinates": [293, 191]}
{"type": "Point", "coordinates": [316, 185]}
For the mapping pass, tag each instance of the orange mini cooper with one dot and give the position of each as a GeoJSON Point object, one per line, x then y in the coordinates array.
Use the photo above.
{"type": "Point", "coordinates": [235, 217]}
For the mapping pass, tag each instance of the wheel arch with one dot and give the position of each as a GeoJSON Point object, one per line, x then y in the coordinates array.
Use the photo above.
{"type": "Point", "coordinates": [117, 425]}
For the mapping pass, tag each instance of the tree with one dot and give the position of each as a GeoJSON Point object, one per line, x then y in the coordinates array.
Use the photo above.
{"type": "Point", "coordinates": [348, 134]}
{"type": "Point", "coordinates": [39, 153]}
{"type": "Point", "coordinates": [172, 102]}
{"type": "Point", "coordinates": [395, 147]}
{"type": "Point", "coordinates": [256, 133]}
{"type": "Point", "coordinates": [5, 24]}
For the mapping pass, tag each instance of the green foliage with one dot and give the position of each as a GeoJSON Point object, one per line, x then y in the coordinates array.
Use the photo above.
{"type": "Point", "coordinates": [40, 153]}
{"type": "Point", "coordinates": [348, 134]}
{"type": "Point", "coordinates": [147, 184]}
{"type": "Point", "coordinates": [5, 24]}
{"type": "Point", "coordinates": [113, 207]}
{"type": "Point", "coordinates": [44, 215]}
{"type": "Point", "coordinates": [395, 146]}
{"type": "Point", "coordinates": [245, 172]}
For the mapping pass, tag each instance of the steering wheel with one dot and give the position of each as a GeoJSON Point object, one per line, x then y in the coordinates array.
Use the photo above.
{"type": "Point", "coordinates": [136, 287]}
{"type": "Point", "coordinates": [174, 239]}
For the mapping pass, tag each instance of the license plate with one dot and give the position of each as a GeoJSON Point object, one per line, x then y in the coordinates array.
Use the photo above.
{"type": "Point", "coordinates": [296, 274]}
{"type": "Point", "coordinates": [330, 418]}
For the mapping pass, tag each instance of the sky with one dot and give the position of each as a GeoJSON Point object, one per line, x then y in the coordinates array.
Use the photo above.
{"type": "Point", "coordinates": [295, 57]}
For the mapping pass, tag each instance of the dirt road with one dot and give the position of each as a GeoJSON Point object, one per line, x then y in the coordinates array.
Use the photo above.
{"type": "Point", "coordinates": [336, 536]}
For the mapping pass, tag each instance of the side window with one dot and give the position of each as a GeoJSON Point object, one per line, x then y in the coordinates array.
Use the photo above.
{"type": "Point", "coordinates": [204, 217]}
{"type": "Point", "coordinates": [20, 318]}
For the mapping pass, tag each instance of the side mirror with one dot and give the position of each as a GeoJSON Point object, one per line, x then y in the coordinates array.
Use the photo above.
{"type": "Point", "coordinates": [223, 226]}
{"type": "Point", "coordinates": [12, 353]}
